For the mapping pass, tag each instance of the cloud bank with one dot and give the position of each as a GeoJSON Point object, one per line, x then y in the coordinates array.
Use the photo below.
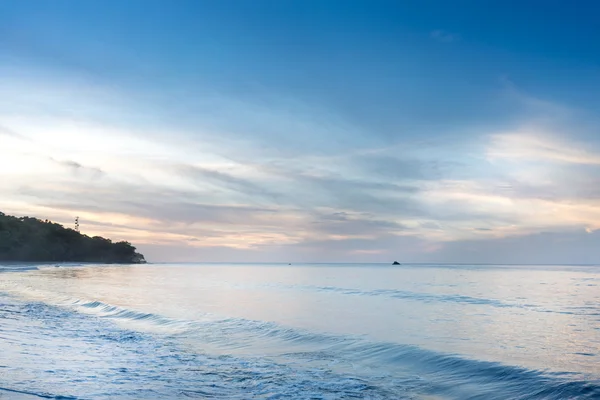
{"type": "Point", "coordinates": [179, 195]}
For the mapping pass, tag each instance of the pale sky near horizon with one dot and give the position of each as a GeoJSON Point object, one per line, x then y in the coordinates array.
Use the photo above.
{"type": "Point", "coordinates": [306, 131]}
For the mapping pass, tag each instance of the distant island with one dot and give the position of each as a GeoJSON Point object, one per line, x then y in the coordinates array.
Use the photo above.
{"type": "Point", "coordinates": [395, 263]}
{"type": "Point", "coordinates": [33, 240]}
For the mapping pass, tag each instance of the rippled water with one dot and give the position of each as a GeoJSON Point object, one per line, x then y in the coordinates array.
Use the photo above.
{"type": "Point", "coordinates": [300, 332]}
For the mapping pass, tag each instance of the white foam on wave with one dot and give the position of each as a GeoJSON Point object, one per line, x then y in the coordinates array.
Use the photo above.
{"type": "Point", "coordinates": [125, 317]}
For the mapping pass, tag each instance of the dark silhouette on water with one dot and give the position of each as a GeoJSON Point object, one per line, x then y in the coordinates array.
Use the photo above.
{"type": "Point", "coordinates": [31, 239]}
{"type": "Point", "coordinates": [396, 263]}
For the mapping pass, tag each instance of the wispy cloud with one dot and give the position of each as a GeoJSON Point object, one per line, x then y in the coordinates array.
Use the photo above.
{"type": "Point", "coordinates": [78, 169]}
{"type": "Point", "coordinates": [4, 131]}
{"type": "Point", "coordinates": [532, 145]}
{"type": "Point", "coordinates": [444, 36]}
{"type": "Point", "coordinates": [249, 189]}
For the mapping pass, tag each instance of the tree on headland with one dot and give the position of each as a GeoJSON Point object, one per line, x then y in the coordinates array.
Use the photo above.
{"type": "Point", "coordinates": [34, 240]}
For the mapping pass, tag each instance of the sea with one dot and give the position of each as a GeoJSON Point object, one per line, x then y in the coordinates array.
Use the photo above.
{"type": "Point", "coordinates": [302, 331]}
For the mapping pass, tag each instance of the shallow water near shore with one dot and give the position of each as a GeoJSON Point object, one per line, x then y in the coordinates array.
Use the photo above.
{"type": "Point", "coordinates": [330, 331]}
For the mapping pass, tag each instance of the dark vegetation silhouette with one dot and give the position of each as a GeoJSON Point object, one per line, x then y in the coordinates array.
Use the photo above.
{"type": "Point", "coordinates": [31, 239]}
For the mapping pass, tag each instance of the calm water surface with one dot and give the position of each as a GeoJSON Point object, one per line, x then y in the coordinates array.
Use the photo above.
{"type": "Point", "coordinates": [300, 332]}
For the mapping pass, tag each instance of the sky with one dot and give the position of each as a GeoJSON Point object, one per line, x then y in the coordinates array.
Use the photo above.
{"type": "Point", "coordinates": [307, 131]}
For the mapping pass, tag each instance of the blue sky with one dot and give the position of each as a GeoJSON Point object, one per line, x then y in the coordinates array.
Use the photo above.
{"type": "Point", "coordinates": [425, 131]}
